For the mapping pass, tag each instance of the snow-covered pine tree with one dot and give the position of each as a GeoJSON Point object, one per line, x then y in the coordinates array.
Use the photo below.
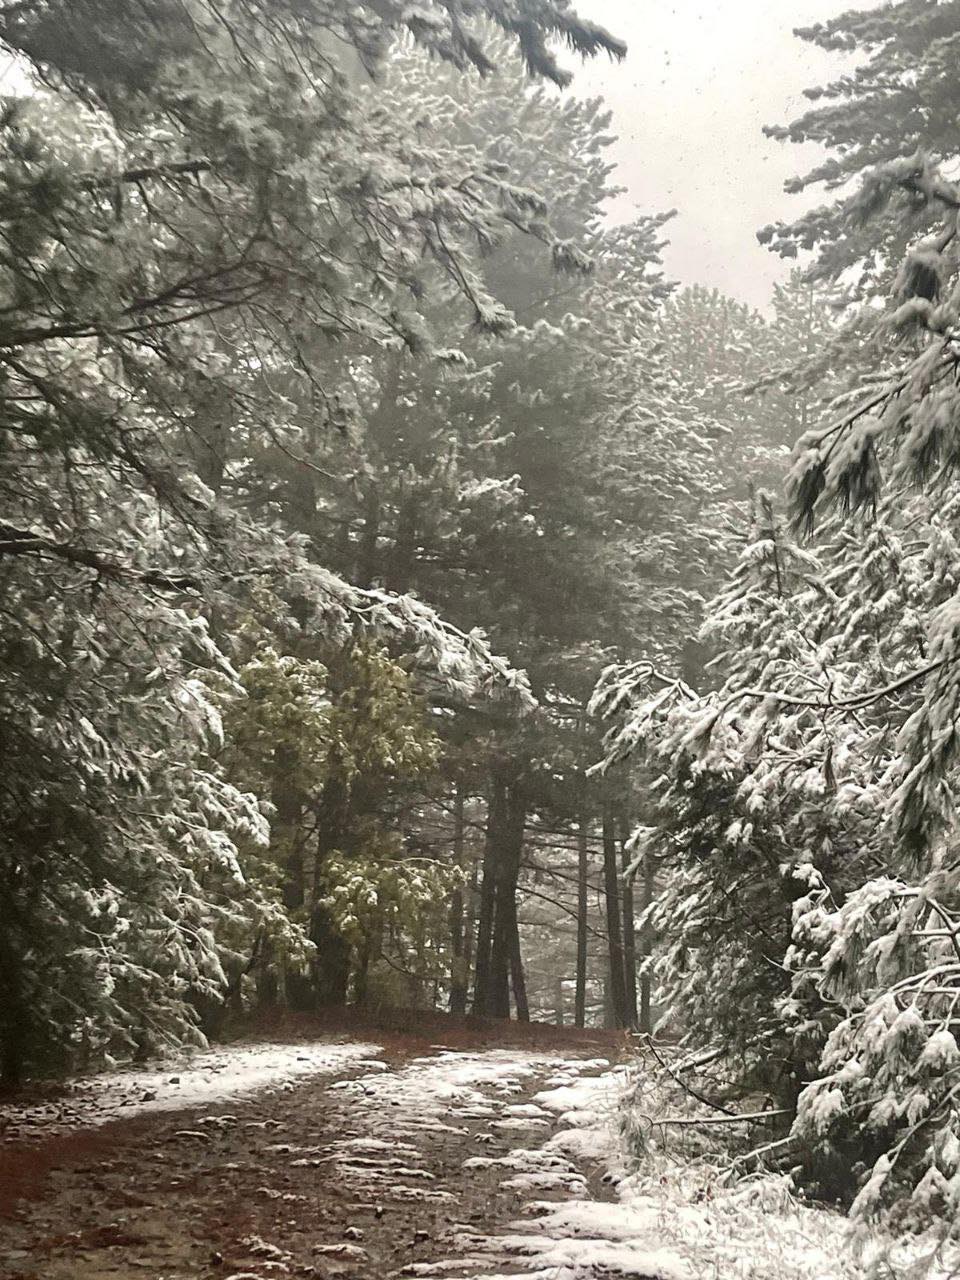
{"type": "Point", "coordinates": [197, 198]}
{"type": "Point", "coordinates": [835, 722]}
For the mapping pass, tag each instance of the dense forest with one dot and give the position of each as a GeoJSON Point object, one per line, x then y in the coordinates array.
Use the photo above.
{"type": "Point", "coordinates": [412, 598]}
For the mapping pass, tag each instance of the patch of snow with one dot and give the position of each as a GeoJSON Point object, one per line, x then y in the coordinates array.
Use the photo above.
{"type": "Point", "coordinates": [525, 1109]}
{"type": "Point", "coordinates": [578, 1259]}
{"type": "Point", "coordinates": [429, 1092]}
{"type": "Point", "coordinates": [547, 1180]}
{"type": "Point", "coordinates": [591, 1095]}
{"type": "Point", "coordinates": [518, 1123]}
{"type": "Point", "coordinates": [203, 1079]}
{"type": "Point", "coordinates": [446, 1266]}
{"type": "Point", "coordinates": [419, 1195]}
{"type": "Point", "coordinates": [600, 1144]}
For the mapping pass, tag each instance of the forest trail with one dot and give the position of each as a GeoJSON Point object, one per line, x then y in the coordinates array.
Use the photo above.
{"type": "Point", "coordinates": [320, 1159]}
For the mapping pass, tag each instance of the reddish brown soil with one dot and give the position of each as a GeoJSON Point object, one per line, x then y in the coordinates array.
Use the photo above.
{"type": "Point", "coordinates": [141, 1198]}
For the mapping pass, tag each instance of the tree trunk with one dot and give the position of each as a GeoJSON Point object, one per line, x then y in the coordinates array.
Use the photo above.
{"type": "Point", "coordinates": [361, 974]}
{"type": "Point", "coordinates": [331, 970]}
{"type": "Point", "coordinates": [267, 979]}
{"type": "Point", "coordinates": [404, 554]}
{"type": "Point", "coordinates": [509, 847]}
{"type": "Point", "coordinates": [460, 965]}
{"type": "Point", "coordinates": [646, 943]}
{"type": "Point", "coordinates": [496, 804]}
{"type": "Point", "coordinates": [558, 1010]}
{"type": "Point", "coordinates": [367, 561]}
{"type": "Point", "coordinates": [580, 996]}
{"type": "Point", "coordinates": [210, 433]}
{"type": "Point", "coordinates": [517, 978]}
{"type": "Point", "coordinates": [470, 929]}
{"type": "Point", "coordinates": [288, 803]}
{"type": "Point", "coordinates": [14, 1015]}
{"type": "Point", "coordinates": [611, 889]}
{"type": "Point", "coordinates": [629, 938]}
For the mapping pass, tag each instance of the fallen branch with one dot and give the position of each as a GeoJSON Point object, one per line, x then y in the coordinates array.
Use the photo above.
{"type": "Point", "coordinates": [687, 1088]}
{"type": "Point", "coordinates": [758, 1152]}
{"type": "Point", "coordinates": [752, 1117]}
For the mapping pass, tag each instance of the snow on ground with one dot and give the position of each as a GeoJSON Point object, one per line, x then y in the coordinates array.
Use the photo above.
{"type": "Point", "coordinates": [202, 1079]}
{"type": "Point", "coordinates": [658, 1226]}
{"type": "Point", "coordinates": [436, 1091]}
{"type": "Point", "coordinates": [445, 1093]}
{"type": "Point", "coordinates": [670, 1221]}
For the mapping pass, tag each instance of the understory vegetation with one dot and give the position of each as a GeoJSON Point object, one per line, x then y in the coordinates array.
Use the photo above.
{"type": "Point", "coordinates": [412, 598]}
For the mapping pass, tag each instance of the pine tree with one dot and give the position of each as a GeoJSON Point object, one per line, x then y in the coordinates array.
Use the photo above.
{"type": "Point", "coordinates": [198, 200]}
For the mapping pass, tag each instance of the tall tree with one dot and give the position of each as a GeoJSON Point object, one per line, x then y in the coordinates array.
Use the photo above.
{"type": "Point", "coordinates": [197, 199]}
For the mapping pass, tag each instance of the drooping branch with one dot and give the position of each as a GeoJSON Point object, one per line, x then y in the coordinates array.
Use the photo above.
{"type": "Point", "coordinates": [20, 542]}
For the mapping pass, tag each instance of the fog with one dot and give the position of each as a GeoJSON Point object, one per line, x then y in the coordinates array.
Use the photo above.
{"type": "Point", "coordinates": [689, 104]}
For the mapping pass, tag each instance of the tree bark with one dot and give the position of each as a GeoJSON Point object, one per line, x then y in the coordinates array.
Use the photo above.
{"type": "Point", "coordinates": [580, 996]}
{"type": "Point", "coordinates": [332, 965]}
{"type": "Point", "coordinates": [460, 965]}
{"type": "Point", "coordinates": [517, 979]}
{"type": "Point", "coordinates": [611, 888]}
{"type": "Point", "coordinates": [496, 804]}
{"type": "Point", "coordinates": [404, 554]}
{"type": "Point", "coordinates": [646, 943]}
{"type": "Point", "coordinates": [470, 930]}
{"type": "Point", "coordinates": [14, 1014]}
{"type": "Point", "coordinates": [367, 553]}
{"type": "Point", "coordinates": [629, 936]}
{"type": "Point", "coordinates": [509, 848]}
{"type": "Point", "coordinates": [332, 973]}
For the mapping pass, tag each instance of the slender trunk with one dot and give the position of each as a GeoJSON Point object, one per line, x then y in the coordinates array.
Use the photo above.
{"type": "Point", "coordinates": [361, 973]}
{"type": "Point", "coordinates": [470, 930]}
{"type": "Point", "coordinates": [404, 554]}
{"type": "Point", "coordinates": [646, 943]}
{"type": "Point", "coordinates": [629, 938]}
{"type": "Point", "coordinates": [367, 563]}
{"type": "Point", "coordinates": [509, 847]}
{"type": "Point", "coordinates": [609, 1017]}
{"type": "Point", "coordinates": [558, 1010]}
{"type": "Point", "coordinates": [288, 803]}
{"type": "Point", "coordinates": [332, 972]}
{"type": "Point", "coordinates": [611, 888]}
{"type": "Point", "coordinates": [14, 1015]}
{"type": "Point", "coordinates": [332, 964]}
{"type": "Point", "coordinates": [210, 433]}
{"type": "Point", "coordinates": [267, 978]}
{"type": "Point", "coordinates": [459, 968]}
{"type": "Point", "coordinates": [580, 996]}
{"type": "Point", "coordinates": [517, 979]}
{"type": "Point", "coordinates": [488, 895]}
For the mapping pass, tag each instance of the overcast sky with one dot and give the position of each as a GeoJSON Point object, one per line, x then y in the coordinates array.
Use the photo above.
{"type": "Point", "coordinates": [689, 102]}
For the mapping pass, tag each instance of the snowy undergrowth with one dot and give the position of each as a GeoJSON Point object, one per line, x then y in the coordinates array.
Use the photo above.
{"type": "Point", "coordinates": [673, 1218]}
{"type": "Point", "coordinates": [196, 1080]}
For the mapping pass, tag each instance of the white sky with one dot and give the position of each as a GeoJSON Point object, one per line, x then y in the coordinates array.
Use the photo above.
{"type": "Point", "coordinates": [700, 80]}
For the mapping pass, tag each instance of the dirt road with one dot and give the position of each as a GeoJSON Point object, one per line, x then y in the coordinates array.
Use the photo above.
{"type": "Point", "coordinates": [408, 1160]}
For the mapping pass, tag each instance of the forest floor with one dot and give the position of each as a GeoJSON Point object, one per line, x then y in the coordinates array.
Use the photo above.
{"type": "Point", "coordinates": [367, 1156]}
{"type": "Point", "coordinates": [417, 1146]}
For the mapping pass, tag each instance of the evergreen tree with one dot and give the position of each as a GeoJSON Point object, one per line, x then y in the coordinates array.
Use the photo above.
{"type": "Point", "coordinates": [197, 200]}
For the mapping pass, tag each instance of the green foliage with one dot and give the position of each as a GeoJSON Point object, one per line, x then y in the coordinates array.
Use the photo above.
{"type": "Point", "coordinates": [332, 754]}
{"type": "Point", "coordinates": [196, 201]}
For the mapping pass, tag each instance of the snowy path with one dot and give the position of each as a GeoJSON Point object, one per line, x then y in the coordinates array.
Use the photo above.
{"type": "Point", "coordinates": [329, 1160]}
{"type": "Point", "coordinates": [216, 1075]}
